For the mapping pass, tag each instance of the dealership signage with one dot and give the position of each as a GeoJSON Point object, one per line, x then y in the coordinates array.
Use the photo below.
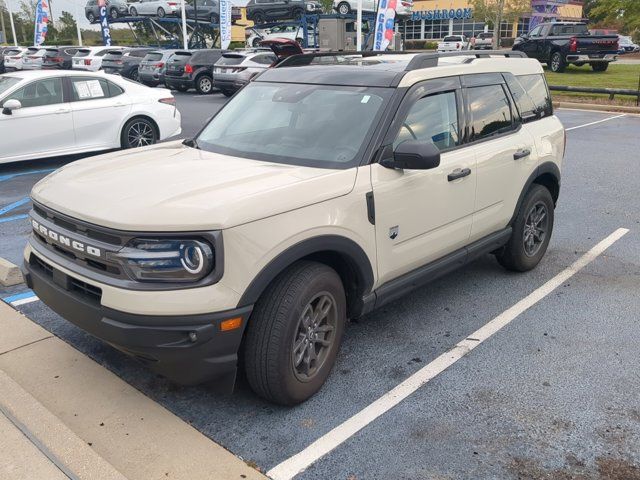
{"type": "Point", "coordinates": [455, 14]}
{"type": "Point", "coordinates": [104, 23]}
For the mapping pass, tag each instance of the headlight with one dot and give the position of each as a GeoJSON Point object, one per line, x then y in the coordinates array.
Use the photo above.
{"type": "Point", "coordinates": [166, 260]}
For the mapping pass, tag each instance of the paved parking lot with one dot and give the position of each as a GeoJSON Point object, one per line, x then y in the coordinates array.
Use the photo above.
{"type": "Point", "coordinates": [553, 395]}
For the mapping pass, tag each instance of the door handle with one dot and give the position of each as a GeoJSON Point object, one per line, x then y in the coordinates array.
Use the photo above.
{"type": "Point", "coordinates": [458, 173]}
{"type": "Point", "coordinates": [522, 153]}
{"type": "Point", "coordinates": [62, 110]}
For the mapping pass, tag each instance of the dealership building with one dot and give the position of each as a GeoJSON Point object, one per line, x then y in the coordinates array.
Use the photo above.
{"type": "Point", "coordinates": [435, 19]}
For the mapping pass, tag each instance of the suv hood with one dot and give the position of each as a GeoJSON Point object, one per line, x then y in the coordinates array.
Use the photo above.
{"type": "Point", "coordinates": [171, 187]}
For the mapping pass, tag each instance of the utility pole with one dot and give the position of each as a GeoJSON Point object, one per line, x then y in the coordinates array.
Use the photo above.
{"type": "Point", "coordinates": [13, 26]}
{"type": "Point", "coordinates": [78, 24]}
{"type": "Point", "coordinates": [497, 28]}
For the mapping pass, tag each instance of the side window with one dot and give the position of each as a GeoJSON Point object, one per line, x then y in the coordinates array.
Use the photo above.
{"type": "Point", "coordinates": [490, 111]}
{"type": "Point", "coordinates": [87, 88]}
{"type": "Point", "coordinates": [536, 86]}
{"type": "Point", "coordinates": [264, 59]}
{"type": "Point", "coordinates": [536, 32]}
{"type": "Point", "coordinates": [525, 105]}
{"type": "Point", "coordinates": [40, 93]}
{"type": "Point", "coordinates": [114, 90]}
{"type": "Point", "coordinates": [432, 119]}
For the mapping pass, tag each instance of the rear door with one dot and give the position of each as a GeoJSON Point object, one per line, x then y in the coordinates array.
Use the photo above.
{"type": "Point", "coordinates": [98, 107]}
{"type": "Point", "coordinates": [43, 126]}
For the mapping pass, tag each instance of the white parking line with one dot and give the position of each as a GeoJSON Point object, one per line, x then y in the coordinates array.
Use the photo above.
{"type": "Point", "coordinates": [24, 301]}
{"type": "Point", "coordinates": [299, 462]}
{"type": "Point", "coordinates": [598, 121]}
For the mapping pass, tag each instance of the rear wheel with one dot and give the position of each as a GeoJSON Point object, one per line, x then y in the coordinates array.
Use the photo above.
{"type": "Point", "coordinates": [204, 84]}
{"type": "Point", "coordinates": [138, 132]}
{"type": "Point", "coordinates": [134, 75]}
{"type": "Point", "coordinates": [295, 332]}
{"type": "Point", "coordinates": [256, 42]}
{"type": "Point", "coordinates": [344, 8]}
{"type": "Point", "coordinates": [557, 63]}
{"type": "Point", "coordinates": [91, 17]}
{"type": "Point", "coordinates": [297, 14]}
{"type": "Point", "coordinates": [531, 231]}
{"type": "Point", "coordinates": [113, 14]}
{"type": "Point", "coordinates": [600, 66]}
{"type": "Point", "coordinates": [215, 18]}
{"type": "Point", "coordinates": [258, 17]}
{"type": "Point", "coordinates": [133, 12]}
{"type": "Point", "coordinates": [161, 12]}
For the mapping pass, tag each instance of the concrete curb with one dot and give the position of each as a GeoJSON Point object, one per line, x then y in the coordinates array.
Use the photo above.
{"type": "Point", "coordinates": [597, 107]}
{"type": "Point", "coordinates": [54, 439]}
{"type": "Point", "coordinates": [10, 274]}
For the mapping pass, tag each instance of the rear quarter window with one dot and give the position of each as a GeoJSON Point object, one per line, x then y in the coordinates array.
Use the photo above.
{"type": "Point", "coordinates": [490, 111]}
{"type": "Point", "coordinates": [531, 95]}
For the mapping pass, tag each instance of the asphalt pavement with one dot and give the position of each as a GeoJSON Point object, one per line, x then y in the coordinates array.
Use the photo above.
{"type": "Point", "coordinates": [553, 395]}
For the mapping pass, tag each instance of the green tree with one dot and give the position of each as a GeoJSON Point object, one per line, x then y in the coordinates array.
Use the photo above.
{"type": "Point", "coordinates": [494, 12]}
{"type": "Point", "coordinates": [66, 26]}
{"type": "Point", "coordinates": [623, 12]}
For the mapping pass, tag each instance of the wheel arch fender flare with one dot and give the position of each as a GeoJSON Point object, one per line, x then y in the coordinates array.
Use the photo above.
{"type": "Point", "coordinates": [543, 174]}
{"type": "Point", "coordinates": [346, 250]}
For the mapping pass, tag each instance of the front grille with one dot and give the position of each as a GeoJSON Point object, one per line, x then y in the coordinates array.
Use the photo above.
{"type": "Point", "coordinates": [78, 287]}
{"type": "Point", "coordinates": [75, 226]}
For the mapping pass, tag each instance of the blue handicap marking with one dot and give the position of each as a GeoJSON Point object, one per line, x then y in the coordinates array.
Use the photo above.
{"type": "Point", "coordinates": [13, 206]}
{"type": "Point", "coordinates": [19, 296]}
{"type": "Point", "coordinates": [9, 176]}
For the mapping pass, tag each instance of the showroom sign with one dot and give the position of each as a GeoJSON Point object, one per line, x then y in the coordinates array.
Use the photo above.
{"type": "Point", "coordinates": [455, 14]}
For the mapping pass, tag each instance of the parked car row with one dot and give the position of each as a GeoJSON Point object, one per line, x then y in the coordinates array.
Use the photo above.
{"type": "Point", "coordinates": [206, 9]}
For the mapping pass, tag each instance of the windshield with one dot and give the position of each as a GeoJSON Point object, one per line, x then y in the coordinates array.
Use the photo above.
{"type": "Point", "coordinates": [7, 82]}
{"type": "Point", "coordinates": [312, 125]}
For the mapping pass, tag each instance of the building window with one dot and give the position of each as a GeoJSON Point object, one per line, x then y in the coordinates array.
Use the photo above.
{"type": "Point", "coordinates": [412, 29]}
{"type": "Point", "coordinates": [523, 26]}
{"type": "Point", "coordinates": [506, 30]}
{"type": "Point", "coordinates": [436, 29]}
{"type": "Point", "coordinates": [469, 28]}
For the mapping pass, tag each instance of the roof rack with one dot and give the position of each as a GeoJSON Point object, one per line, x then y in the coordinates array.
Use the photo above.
{"type": "Point", "coordinates": [420, 60]}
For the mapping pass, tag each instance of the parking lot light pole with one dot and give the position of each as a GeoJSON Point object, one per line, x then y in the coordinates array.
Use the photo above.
{"type": "Point", "coordinates": [359, 27]}
{"type": "Point", "coordinates": [78, 24]}
{"type": "Point", "coordinates": [183, 13]}
{"type": "Point", "coordinates": [13, 26]}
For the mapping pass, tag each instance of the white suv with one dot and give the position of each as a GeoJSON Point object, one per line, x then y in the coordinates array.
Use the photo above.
{"type": "Point", "coordinates": [344, 188]}
{"type": "Point", "coordinates": [345, 7]}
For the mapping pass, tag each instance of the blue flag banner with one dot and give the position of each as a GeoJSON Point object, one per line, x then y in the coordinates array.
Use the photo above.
{"type": "Point", "coordinates": [385, 18]}
{"type": "Point", "coordinates": [104, 23]}
{"type": "Point", "coordinates": [225, 24]}
{"type": "Point", "coordinates": [42, 19]}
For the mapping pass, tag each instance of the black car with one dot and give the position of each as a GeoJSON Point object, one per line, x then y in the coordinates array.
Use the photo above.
{"type": "Point", "coordinates": [124, 62]}
{"type": "Point", "coordinates": [60, 58]}
{"type": "Point", "coordinates": [2, 52]}
{"type": "Point", "coordinates": [152, 67]}
{"type": "Point", "coordinates": [191, 69]}
{"type": "Point", "coordinates": [260, 11]}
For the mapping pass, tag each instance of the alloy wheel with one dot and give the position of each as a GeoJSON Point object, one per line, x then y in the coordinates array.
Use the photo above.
{"type": "Point", "coordinates": [536, 226]}
{"type": "Point", "coordinates": [140, 134]}
{"type": "Point", "coordinates": [314, 336]}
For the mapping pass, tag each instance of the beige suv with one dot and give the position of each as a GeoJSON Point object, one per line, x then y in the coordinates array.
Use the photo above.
{"type": "Point", "coordinates": [345, 187]}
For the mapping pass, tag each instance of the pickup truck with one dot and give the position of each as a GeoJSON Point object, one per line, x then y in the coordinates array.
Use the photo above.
{"type": "Point", "coordinates": [559, 44]}
{"type": "Point", "coordinates": [453, 43]}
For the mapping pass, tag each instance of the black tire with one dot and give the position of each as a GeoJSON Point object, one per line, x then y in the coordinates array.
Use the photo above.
{"type": "Point", "coordinates": [227, 93]}
{"type": "Point", "coordinates": [297, 14]}
{"type": "Point", "coordinates": [517, 255]}
{"type": "Point", "coordinates": [134, 75]}
{"type": "Point", "coordinates": [138, 132]}
{"type": "Point", "coordinates": [278, 323]}
{"type": "Point", "coordinates": [133, 12]}
{"type": "Point", "coordinates": [557, 63]}
{"type": "Point", "coordinates": [343, 8]}
{"type": "Point", "coordinates": [600, 66]}
{"type": "Point", "coordinates": [258, 17]}
{"type": "Point", "coordinates": [91, 17]}
{"type": "Point", "coordinates": [215, 18]}
{"type": "Point", "coordinates": [256, 42]}
{"type": "Point", "coordinates": [161, 13]}
{"type": "Point", "coordinates": [113, 14]}
{"type": "Point", "coordinates": [204, 84]}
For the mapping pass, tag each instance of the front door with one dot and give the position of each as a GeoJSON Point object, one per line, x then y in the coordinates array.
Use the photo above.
{"type": "Point", "coordinates": [530, 46]}
{"type": "Point", "coordinates": [42, 126]}
{"type": "Point", "coordinates": [421, 215]}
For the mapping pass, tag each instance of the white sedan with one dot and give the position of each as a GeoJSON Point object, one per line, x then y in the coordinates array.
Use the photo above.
{"type": "Point", "coordinates": [48, 113]}
{"type": "Point", "coordinates": [156, 8]}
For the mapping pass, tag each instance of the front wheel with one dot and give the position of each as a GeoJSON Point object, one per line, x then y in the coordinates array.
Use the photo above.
{"type": "Point", "coordinates": [557, 63]}
{"type": "Point", "coordinates": [204, 84]}
{"type": "Point", "coordinates": [161, 12]}
{"type": "Point", "coordinates": [214, 18]}
{"type": "Point", "coordinates": [134, 75]}
{"type": "Point", "coordinates": [600, 66]}
{"type": "Point", "coordinates": [531, 231]}
{"type": "Point", "coordinates": [258, 17]}
{"type": "Point", "coordinates": [294, 333]}
{"type": "Point", "coordinates": [344, 8]}
{"type": "Point", "coordinates": [297, 14]}
{"type": "Point", "coordinates": [113, 14]}
{"type": "Point", "coordinates": [227, 93]}
{"type": "Point", "coordinates": [91, 17]}
{"type": "Point", "coordinates": [133, 12]}
{"type": "Point", "coordinates": [138, 132]}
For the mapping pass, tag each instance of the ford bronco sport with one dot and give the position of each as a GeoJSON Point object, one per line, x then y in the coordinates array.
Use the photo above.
{"type": "Point", "coordinates": [347, 185]}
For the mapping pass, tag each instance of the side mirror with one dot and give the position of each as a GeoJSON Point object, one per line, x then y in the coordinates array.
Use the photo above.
{"type": "Point", "coordinates": [10, 105]}
{"type": "Point", "coordinates": [414, 155]}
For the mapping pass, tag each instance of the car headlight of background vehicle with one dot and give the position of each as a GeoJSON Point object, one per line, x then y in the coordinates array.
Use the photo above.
{"type": "Point", "coordinates": [178, 260]}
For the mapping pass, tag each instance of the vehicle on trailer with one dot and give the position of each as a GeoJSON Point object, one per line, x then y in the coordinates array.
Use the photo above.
{"type": "Point", "coordinates": [33, 57]}
{"type": "Point", "coordinates": [626, 45]}
{"type": "Point", "coordinates": [316, 194]}
{"type": "Point", "coordinates": [236, 69]}
{"type": "Point", "coordinates": [124, 61]}
{"type": "Point", "coordinates": [484, 41]}
{"type": "Point", "coordinates": [152, 67]}
{"type": "Point", "coordinates": [155, 8]}
{"type": "Point", "coordinates": [188, 69]}
{"type": "Point", "coordinates": [208, 10]}
{"type": "Point", "coordinates": [115, 9]}
{"type": "Point", "coordinates": [454, 43]}
{"type": "Point", "coordinates": [292, 31]}
{"type": "Point", "coordinates": [12, 58]}
{"type": "Point", "coordinates": [261, 11]}
{"type": "Point", "coordinates": [52, 113]}
{"type": "Point", "coordinates": [559, 44]}
{"type": "Point", "coordinates": [90, 58]}
{"type": "Point", "coordinates": [345, 7]}
{"type": "Point", "coordinates": [58, 58]}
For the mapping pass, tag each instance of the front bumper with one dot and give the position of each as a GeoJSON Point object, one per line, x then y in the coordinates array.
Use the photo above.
{"type": "Point", "coordinates": [187, 349]}
{"type": "Point", "coordinates": [591, 59]}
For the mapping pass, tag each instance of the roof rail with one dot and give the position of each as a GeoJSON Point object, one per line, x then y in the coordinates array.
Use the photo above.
{"type": "Point", "coordinates": [420, 60]}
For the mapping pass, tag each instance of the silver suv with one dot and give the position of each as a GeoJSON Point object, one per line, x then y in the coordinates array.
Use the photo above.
{"type": "Point", "coordinates": [316, 194]}
{"type": "Point", "coordinates": [115, 9]}
{"type": "Point", "coordinates": [235, 69]}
